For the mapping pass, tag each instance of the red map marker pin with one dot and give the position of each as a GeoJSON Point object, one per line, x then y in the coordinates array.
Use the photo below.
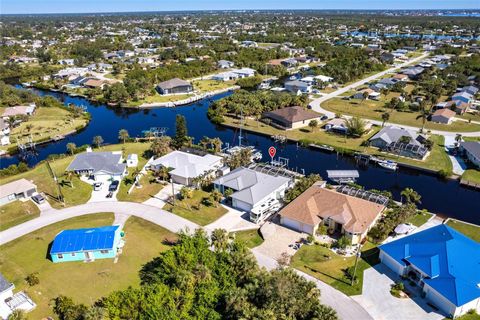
{"type": "Point", "coordinates": [272, 151]}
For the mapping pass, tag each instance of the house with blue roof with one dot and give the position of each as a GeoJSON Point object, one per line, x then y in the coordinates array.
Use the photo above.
{"type": "Point", "coordinates": [87, 244]}
{"type": "Point", "coordinates": [444, 263]}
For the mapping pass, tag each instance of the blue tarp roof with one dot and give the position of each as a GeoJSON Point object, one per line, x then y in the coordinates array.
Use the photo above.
{"type": "Point", "coordinates": [84, 240]}
{"type": "Point", "coordinates": [450, 259]}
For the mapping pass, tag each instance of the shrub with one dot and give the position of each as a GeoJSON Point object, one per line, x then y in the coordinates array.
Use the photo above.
{"type": "Point", "coordinates": [32, 279]}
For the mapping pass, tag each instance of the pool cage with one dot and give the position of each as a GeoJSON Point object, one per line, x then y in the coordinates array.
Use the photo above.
{"type": "Point", "coordinates": [362, 194]}
{"type": "Point", "coordinates": [407, 149]}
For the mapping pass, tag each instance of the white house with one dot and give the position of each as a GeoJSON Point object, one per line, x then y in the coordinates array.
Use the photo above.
{"type": "Point", "coordinates": [185, 167]}
{"type": "Point", "coordinates": [18, 189]}
{"type": "Point", "coordinates": [443, 263]}
{"type": "Point", "coordinates": [10, 302]}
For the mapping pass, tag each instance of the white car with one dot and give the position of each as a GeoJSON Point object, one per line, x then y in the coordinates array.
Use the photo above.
{"type": "Point", "coordinates": [97, 186]}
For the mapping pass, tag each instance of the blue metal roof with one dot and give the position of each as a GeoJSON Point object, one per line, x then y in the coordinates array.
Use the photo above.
{"type": "Point", "coordinates": [450, 259]}
{"type": "Point", "coordinates": [84, 240]}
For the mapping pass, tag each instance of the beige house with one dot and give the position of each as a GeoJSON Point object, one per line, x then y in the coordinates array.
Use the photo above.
{"type": "Point", "coordinates": [290, 118]}
{"type": "Point", "coordinates": [443, 116]}
{"type": "Point", "coordinates": [350, 216]}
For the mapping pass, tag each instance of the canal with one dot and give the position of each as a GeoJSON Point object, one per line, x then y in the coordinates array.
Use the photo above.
{"type": "Point", "coordinates": [443, 197]}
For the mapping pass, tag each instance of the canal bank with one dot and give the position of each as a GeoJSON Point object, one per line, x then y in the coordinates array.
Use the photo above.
{"type": "Point", "coordinates": [444, 197]}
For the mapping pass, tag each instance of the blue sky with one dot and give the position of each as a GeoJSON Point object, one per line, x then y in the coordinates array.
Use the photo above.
{"type": "Point", "coordinates": [76, 6]}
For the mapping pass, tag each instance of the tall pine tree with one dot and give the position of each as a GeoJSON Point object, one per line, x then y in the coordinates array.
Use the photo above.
{"type": "Point", "coordinates": [181, 134]}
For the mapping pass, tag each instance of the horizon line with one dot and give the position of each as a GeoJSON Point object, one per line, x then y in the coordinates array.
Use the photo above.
{"type": "Point", "coordinates": [236, 10]}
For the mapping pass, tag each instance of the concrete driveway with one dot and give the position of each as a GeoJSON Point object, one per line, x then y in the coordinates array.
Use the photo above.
{"type": "Point", "coordinates": [278, 240]}
{"type": "Point", "coordinates": [381, 305]}
{"type": "Point", "coordinates": [233, 220]}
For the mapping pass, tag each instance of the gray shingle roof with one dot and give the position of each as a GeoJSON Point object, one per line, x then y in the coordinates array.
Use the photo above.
{"type": "Point", "coordinates": [471, 147]}
{"type": "Point", "coordinates": [173, 83]}
{"type": "Point", "coordinates": [251, 186]}
{"type": "Point", "coordinates": [393, 134]}
{"type": "Point", "coordinates": [5, 284]}
{"type": "Point", "coordinates": [98, 161]}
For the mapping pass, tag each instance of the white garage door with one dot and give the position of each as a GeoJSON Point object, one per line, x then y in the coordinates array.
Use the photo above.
{"type": "Point", "coordinates": [295, 225]}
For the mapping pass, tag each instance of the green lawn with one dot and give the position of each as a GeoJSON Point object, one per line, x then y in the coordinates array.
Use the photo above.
{"type": "Point", "coordinates": [371, 109]}
{"type": "Point", "coordinates": [44, 124]}
{"type": "Point", "coordinates": [329, 267]}
{"type": "Point", "coordinates": [437, 160]}
{"type": "Point", "coordinates": [471, 175]}
{"type": "Point", "coordinates": [17, 212]}
{"type": "Point", "coordinates": [84, 282]}
{"type": "Point", "coordinates": [251, 238]}
{"type": "Point", "coordinates": [148, 190]}
{"type": "Point", "coordinates": [420, 218]}
{"type": "Point", "coordinates": [81, 191]}
{"type": "Point", "coordinates": [203, 86]}
{"type": "Point", "coordinates": [192, 209]}
{"type": "Point", "coordinates": [471, 231]}
{"type": "Point", "coordinates": [158, 98]}
{"type": "Point", "coordinates": [468, 316]}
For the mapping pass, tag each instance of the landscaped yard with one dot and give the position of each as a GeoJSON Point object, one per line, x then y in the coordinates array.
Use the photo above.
{"type": "Point", "coordinates": [471, 175]}
{"type": "Point", "coordinates": [192, 209]}
{"type": "Point", "coordinates": [44, 124]}
{"type": "Point", "coordinates": [324, 264]}
{"type": "Point", "coordinates": [17, 212]}
{"type": "Point", "coordinates": [251, 238]}
{"type": "Point", "coordinates": [470, 230]}
{"type": "Point", "coordinates": [81, 191]}
{"type": "Point", "coordinates": [148, 190]}
{"type": "Point", "coordinates": [468, 316]}
{"type": "Point", "coordinates": [371, 109]}
{"type": "Point", "coordinates": [420, 218]}
{"type": "Point", "coordinates": [84, 282]}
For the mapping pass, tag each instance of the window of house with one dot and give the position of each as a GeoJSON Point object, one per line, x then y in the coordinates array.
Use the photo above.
{"type": "Point", "coordinates": [104, 251]}
{"type": "Point", "coordinates": [60, 256]}
{"type": "Point", "coordinates": [73, 254]}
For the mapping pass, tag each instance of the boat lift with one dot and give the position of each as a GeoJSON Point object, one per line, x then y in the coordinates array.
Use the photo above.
{"type": "Point", "coordinates": [343, 176]}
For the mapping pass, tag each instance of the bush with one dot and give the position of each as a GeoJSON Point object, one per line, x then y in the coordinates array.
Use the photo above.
{"type": "Point", "coordinates": [322, 230]}
{"type": "Point", "coordinates": [310, 239]}
{"type": "Point", "coordinates": [343, 243]}
{"type": "Point", "coordinates": [32, 279]}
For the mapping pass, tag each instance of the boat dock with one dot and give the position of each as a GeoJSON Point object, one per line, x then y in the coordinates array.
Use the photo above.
{"type": "Point", "coordinates": [324, 147]}
{"type": "Point", "coordinates": [279, 138]}
{"type": "Point", "coordinates": [367, 158]}
{"type": "Point", "coordinates": [343, 176]}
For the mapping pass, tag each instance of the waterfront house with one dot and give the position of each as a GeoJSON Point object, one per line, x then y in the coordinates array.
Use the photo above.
{"type": "Point", "coordinates": [297, 86]}
{"type": "Point", "coordinates": [443, 263]}
{"type": "Point", "coordinates": [10, 302]}
{"type": "Point", "coordinates": [185, 167]}
{"type": "Point", "coordinates": [18, 189]}
{"type": "Point", "coordinates": [471, 150]}
{"type": "Point", "coordinates": [225, 76]}
{"type": "Point", "coordinates": [341, 213]}
{"type": "Point", "coordinates": [443, 116]}
{"type": "Point", "coordinates": [244, 72]}
{"type": "Point", "coordinates": [174, 86]}
{"type": "Point", "coordinates": [103, 165]}
{"type": "Point", "coordinates": [400, 141]}
{"type": "Point", "coordinates": [86, 244]}
{"type": "Point", "coordinates": [290, 118]}
{"type": "Point", "coordinates": [253, 190]}
{"type": "Point", "coordinates": [27, 110]}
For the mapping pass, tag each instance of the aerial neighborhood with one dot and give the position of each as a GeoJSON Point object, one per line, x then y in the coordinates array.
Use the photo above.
{"type": "Point", "coordinates": [252, 164]}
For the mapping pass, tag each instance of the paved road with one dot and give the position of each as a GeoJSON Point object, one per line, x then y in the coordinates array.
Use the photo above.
{"type": "Point", "coordinates": [346, 307]}
{"type": "Point", "coordinates": [316, 104]}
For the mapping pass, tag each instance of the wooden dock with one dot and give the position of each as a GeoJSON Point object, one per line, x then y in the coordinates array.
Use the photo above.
{"type": "Point", "coordinates": [324, 147]}
{"type": "Point", "coordinates": [470, 184]}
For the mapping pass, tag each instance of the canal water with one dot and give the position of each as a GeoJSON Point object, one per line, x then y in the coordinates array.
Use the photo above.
{"type": "Point", "coordinates": [444, 197]}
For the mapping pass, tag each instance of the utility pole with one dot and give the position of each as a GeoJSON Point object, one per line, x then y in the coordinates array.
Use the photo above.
{"type": "Point", "coordinates": [173, 192]}
{"type": "Point", "coordinates": [357, 255]}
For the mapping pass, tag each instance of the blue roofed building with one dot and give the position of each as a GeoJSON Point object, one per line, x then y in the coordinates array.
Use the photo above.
{"type": "Point", "coordinates": [87, 244]}
{"type": "Point", "coordinates": [444, 263]}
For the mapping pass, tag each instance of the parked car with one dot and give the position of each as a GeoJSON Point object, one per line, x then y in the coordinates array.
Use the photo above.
{"type": "Point", "coordinates": [97, 186]}
{"type": "Point", "coordinates": [38, 198]}
{"type": "Point", "coordinates": [114, 185]}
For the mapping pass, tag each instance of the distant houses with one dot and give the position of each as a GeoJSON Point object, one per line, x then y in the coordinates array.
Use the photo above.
{"type": "Point", "coordinates": [185, 167]}
{"type": "Point", "coordinates": [99, 165]}
{"type": "Point", "coordinates": [347, 215]}
{"type": "Point", "coordinates": [290, 118]}
{"type": "Point", "coordinates": [444, 116]}
{"type": "Point", "coordinates": [174, 86]}
{"type": "Point", "coordinates": [298, 87]}
{"type": "Point", "coordinates": [88, 244]}
{"type": "Point", "coordinates": [443, 263]}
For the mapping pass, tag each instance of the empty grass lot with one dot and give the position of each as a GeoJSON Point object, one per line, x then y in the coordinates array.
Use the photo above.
{"type": "Point", "coordinates": [471, 175]}
{"type": "Point", "coordinates": [44, 124]}
{"type": "Point", "coordinates": [84, 282]}
{"type": "Point", "coordinates": [470, 230]}
{"type": "Point", "coordinates": [420, 218]}
{"type": "Point", "coordinates": [329, 267]}
{"type": "Point", "coordinates": [251, 238]}
{"type": "Point", "coordinates": [148, 190]}
{"type": "Point", "coordinates": [17, 212]}
{"type": "Point", "coordinates": [203, 86]}
{"type": "Point", "coordinates": [371, 109]}
{"type": "Point", "coordinates": [192, 209]}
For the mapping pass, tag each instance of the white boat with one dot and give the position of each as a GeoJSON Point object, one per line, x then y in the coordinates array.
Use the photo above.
{"type": "Point", "coordinates": [388, 164]}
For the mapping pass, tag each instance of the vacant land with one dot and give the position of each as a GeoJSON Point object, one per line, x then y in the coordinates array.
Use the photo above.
{"type": "Point", "coordinates": [420, 218]}
{"type": "Point", "coordinates": [324, 264]}
{"type": "Point", "coordinates": [371, 109]}
{"type": "Point", "coordinates": [203, 86]}
{"type": "Point", "coordinates": [470, 230]}
{"type": "Point", "coordinates": [471, 175]}
{"type": "Point", "coordinates": [192, 209]}
{"type": "Point", "coordinates": [17, 212]}
{"type": "Point", "coordinates": [84, 282]}
{"type": "Point", "coordinates": [158, 98]}
{"type": "Point", "coordinates": [43, 125]}
{"type": "Point", "coordinates": [149, 188]}
{"type": "Point", "coordinates": [80, 192]}
{"type": "Point", "coordinates": [251, 238]}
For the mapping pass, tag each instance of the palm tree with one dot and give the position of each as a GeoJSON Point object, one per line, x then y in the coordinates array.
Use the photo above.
{"type": "Point", "coordinates": [97, 141]}
{"type": "Point", "coordinates": [411, 196]}
{"type": "Point", "coordinates": [219, 239]}
{"type": "Point", "coordinates": [71, 147]}
{"type": "Point", "coordinates": [424, 114]}
{"type": "Point", "coordinates": [385, 118]}
{"type": "Point", "coordinates": [313, 124]}
{"type": "Point", "coordinates": [123, 135]}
